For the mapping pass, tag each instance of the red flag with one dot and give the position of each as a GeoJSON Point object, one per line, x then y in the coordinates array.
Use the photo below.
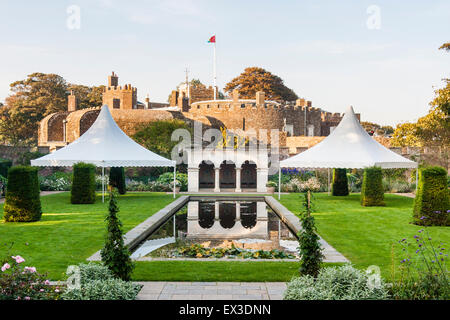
{"type": "Point", "coordinates": [212, 39]}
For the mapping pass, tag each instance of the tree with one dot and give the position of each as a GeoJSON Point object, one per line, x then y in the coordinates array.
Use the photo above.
{"type": "Point", "coordinates": [156, 136]}
{"type": "Point", "coordinates": [117, 179]}
{"type": "Point", "coordinates": [445, 46]}
{"type": "Point", "coordinates": [309, 242]}
{"type": "Point", "coordinates": [255, 79]}
{"type": "Point", "coordinates": [406, 135]}
{"type": "Point", "coordinates": [115, 254]}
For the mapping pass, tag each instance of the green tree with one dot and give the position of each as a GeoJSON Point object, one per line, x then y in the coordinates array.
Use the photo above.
{"type": "Point", "coordinates": [115, 255]}
{"type": "Point", "coordinates": [309, 245]}
{"type": "Point", "coordinates": [255, 79]}
{"type": "Point", "coordinates": [339, 185]}
{"type": "Point", "coordinates": [117, 179]}
{"type": "Point", "coordinates": [156, 136]}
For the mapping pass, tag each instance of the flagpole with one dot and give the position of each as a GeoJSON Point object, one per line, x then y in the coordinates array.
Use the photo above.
{"type": "Point", "coordinates": [215, 77]}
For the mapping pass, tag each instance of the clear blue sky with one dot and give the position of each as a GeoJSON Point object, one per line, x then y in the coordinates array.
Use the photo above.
{"type": "Point", "coordinates": [322, 49]}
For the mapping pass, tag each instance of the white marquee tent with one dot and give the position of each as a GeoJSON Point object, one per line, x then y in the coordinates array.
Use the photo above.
{"type": "Point", "coordinates": [104, 144]}
{"type": "Point", "coordinates": [348, 146]}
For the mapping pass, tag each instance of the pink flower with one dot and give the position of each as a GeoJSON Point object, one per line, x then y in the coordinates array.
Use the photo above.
{"type": "Point", "coordinates": [30, 269]}
{"type": "Point", "coordinates": [27, 298]}
{"type": "Point", "coordinates": [47, 282]}
{"type": "Point", "coordinates": [5, 266]}
{"type": "Point", "coordinates": [42, 290]}
{"type": "Point", "coordinates": [56, 290]}
{"type": "Point", "coordinates": [18, 259]}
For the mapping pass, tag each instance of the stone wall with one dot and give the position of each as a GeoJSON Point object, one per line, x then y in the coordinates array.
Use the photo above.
{"type": "Point", "coordinates": [14, 153]}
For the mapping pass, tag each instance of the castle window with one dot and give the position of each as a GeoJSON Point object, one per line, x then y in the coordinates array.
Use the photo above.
{"type": "Point", "coordinates": [207, 106]}
{"type": "Point", "coordinates": [243, 124]}
{"type": "Point", "coordinates": [198, 107]}
{"type": "Point", "coordinates": [243, 105]}
{"type": "Point", "coordinates": [116, 103]}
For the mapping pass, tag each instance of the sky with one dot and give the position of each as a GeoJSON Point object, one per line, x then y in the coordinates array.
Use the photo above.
{"type": "Point", "coordinates": [381, 57]}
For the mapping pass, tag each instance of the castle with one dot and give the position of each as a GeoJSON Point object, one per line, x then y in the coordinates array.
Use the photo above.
{"type": "Point", "coordinates": [295, 120]}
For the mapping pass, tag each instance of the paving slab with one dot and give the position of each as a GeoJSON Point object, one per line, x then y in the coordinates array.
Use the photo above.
{"type": "Point", "coordinates": [161, 290]}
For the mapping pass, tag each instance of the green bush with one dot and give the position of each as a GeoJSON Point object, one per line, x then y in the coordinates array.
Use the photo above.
{"type": "Point", "coordinates": [98, 283]}
{"type": "Point", "coordinates": [432, 198]}
{"type": "Point", "coordinates": [83, 183]}
{"type": "Point", "coordinates": [339, 186]}
{"type": "Point", "coordinates": [22, 202]}
{"type": "Point", "coordinates": [117, 179]}
{"type": "Point", "coordinates": [372, 193]}
{"type": "Point", "coordinates": [92, 271]}
{"type": "Point", "coordinates": [115, 254]}
{"type": "Point", "coordinates": [5, 164]}
{"type": "Point", "coordinates": [167, 178]}
{"type": "Point", "coordinates": [335, 283]}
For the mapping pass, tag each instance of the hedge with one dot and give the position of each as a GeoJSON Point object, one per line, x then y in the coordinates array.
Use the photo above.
{"type": "Point", "coordinates": [5, 164]}
{"type": "Point", "coordinates": [117, 179]}
{"type": "Point", "coordinates": [22, 203]}
{"type": "Point", "coordinates": [83, 183]}
{"type": "Point", "coordinates": [431, 203]}
{"type": "Point", "coordinates": [339, 185]}
{"type": "Point", "coordinates": [372, 193]}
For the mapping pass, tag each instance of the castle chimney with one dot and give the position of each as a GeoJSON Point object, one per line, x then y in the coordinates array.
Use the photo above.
{"type": "Point", "coordinates": [147, 102]}
{"type": "Point", "coordinates": [72, 102]}
{"type": "Point", "coordinates": [300, 102]}
{"type": "Point", "coordinates": [260, 98]}
{"type": "Point", "coordinates": [113, 80]}
{"type": "Point", "coordinates": [235, 95]}
{"type": "Point", "coordinates": [309, 104]}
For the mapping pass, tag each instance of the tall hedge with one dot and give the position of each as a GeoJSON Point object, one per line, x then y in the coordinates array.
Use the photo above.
{"type": "Point", "coordinates": [22, 203]}
{"type": "Point", "coordinates": [372, 193]}
{"type": "Point", "coordinates": [5, 164]}
{"type": "Point", "coordinates": [83, 183]}
{"type": "Point", "coordinates": [117, 179]}
{"type": "Point", "coordinates": [431, 204]}
{"type": "Point", "coordinates": [339, 185]}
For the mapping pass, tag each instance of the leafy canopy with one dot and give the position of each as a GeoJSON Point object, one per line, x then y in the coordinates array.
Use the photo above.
{"type": "Point", "coordinates": [255, 79]}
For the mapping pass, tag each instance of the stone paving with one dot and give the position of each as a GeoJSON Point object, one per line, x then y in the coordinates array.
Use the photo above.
{"type": "Point", "coordinates": [162, 290]}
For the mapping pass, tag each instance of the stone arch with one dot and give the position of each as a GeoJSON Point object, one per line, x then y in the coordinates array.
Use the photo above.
{"type": "Point", "coordinates": [55, 126]}
{"type": "Point", "coordinates": [206, 214]}
{"type": "Point", "coordinates": [206, 174]}
{"type": "Point", "coordinates": [227, 214]}
{"type": "Point", "coordinates": [248, 214]}
{"type": "Point", "coordinates": [248, 175]}
{"type": "Point", "coordinates": [227, 175]}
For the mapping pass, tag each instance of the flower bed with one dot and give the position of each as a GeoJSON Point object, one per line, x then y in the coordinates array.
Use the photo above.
{"type": "Point", "coordinates": [200, 251]}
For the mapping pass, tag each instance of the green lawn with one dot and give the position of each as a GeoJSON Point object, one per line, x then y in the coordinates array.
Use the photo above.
{"type": "Point", "coordinates": [365, 235]}
{"type": "Point", "coordinates": [68, 234]}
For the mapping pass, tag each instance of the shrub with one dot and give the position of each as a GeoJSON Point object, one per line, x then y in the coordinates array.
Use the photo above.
{"type": "Point", "coordinates": [167, 179]}
{"type": "Point", "coordinates": [92, 271]}
{"type": "Point", "coordinates": [335, 283]}
{"type": "Point", "coordinates": [339, 185]}
{"type": "Point", "coordinates": [117, 179]}
{"type": "Point", "coordinates": [58, 181]}
{"type": "Point", "coordinates": [19, 282]}
{"type": "Point", "coordinates": [26, 157]}
{"type": "Point", "coordinates": [22, 202]}
{"type": "Point", "coordinates": [5, 164]}
{"type": "Point", "coordinates": [372, 188]}
{"type": "Point", "coordinates": [83, 183]}
{"type": "Point", "coordinates": [107, 289]}
{"type": "Point", "coordinates": [115, 254]}
{"type": "Point", "coordinates": [309, 245]}
{"type": "Point", "coordinates": [424, 273]}
{"type": "Point", "coordinates": [98, 283]}
{"type": "Point", "coordinates": [432, 198]}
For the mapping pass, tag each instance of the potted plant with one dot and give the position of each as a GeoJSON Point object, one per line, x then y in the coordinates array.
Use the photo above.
{"type": "Point", "coordinates": [271, 185]}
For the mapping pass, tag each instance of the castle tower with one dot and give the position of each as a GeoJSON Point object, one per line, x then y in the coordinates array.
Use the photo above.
{"type": "Point", "coordinates": [116, 97]}
{"type": "Point", "coordinates": [72, 102]}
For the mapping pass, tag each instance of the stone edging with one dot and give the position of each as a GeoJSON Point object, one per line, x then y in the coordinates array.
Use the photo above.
{"type": "Point", "coordinates": [141, 231]}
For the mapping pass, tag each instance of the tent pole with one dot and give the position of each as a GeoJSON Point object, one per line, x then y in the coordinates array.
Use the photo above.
{"type": "Point", "coordinates": [174, 180]}
{"type": "Point", "coordinates": [328, 181]}
{"type": "Point", "coordinates": [103, 184]}
{"type": "Point", "coordinates": [279, 182]}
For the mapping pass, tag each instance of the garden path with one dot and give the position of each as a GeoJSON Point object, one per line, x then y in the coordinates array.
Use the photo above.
{"type": "Point", "coordinates": [163, 290]}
